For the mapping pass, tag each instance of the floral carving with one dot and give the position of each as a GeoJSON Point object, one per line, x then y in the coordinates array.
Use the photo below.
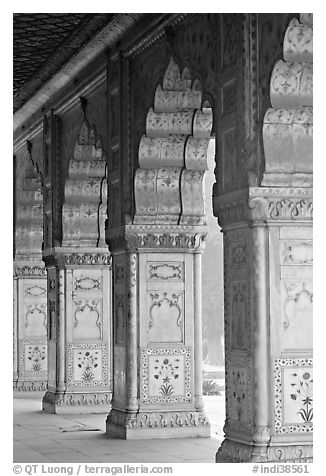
{"type": "Point", "coordinates": [87, 284]}
{"type": "Point", "coordinates": [29, 270]}
{"type": "Point", "coordinates": [84, 399]}
{"type": "Point", "coordinates": [32, 360]}
{"type": "Point", "coordinates": [87, 365]}
{"type": "Point", "coordinates": [166, 271]}
{"type": "Point", "coordinates": [166, 372]}
{"type": "Point", "coordinates": [87, 362]}
{"type": "Point", "coordinates": [35, 291]}
{"type": "Point", "coordinates": [166, 375]}
{"type": "Point", "coordinates": [293, 395]}
{"type": "Point", "coordinates": [239, 317]}
{"type": "Point", "coordinates": [88, 258]}
{"type": "Point", "coordinates": [119, 274]}
{"type": "Point", "coordinates": [298, 42]}
{"type": "Point", "coordinates": [302, 390]}
{"type": "Point", "coordinates": [36, 355]}
{"type": "Point", "coordinates": [158, 419]}
{"type": "Point", "coordinates": [239, 392]}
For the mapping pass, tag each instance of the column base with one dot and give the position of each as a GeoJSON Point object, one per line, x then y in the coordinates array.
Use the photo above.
{"type": "Point", "coordinates": [237, 452]}
{"type": "Point", "coordinates": [31, 385]}
{"type": "Point", "coordinates": [132, 426]}
{"type": "Point", "coordinates": [78, 403]}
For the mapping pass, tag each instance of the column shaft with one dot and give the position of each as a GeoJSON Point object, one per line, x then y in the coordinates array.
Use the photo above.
{"type": "Point", "coordinates": [198, 338]}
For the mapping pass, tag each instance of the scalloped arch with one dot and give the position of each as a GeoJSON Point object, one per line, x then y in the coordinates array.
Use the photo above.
{"type": "Point", "coordinates": [84, 210]}
{"type": "Point", "coordinates": [173, 152]}
{"type": "Point", "coordinates": [288, 124]}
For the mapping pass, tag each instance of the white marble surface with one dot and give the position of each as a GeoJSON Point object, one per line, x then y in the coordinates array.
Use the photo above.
{"type": "Point", "coordinates": [40, 437]}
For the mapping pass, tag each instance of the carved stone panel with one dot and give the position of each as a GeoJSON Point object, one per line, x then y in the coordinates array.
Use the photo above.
{"type": "Point", "coordinates": [229, 97]}
{"type": "Point", "coordinates": [238, 393]}
{"type": "Point", "coordinates": [165, 271]}
{"type": "Point", "coordinates": [87, 303]}
{"type": "Point", "coordinates": [87, 280]}
{"type": "Point", "coordinates": [87, 319]}
{"type": "Point", "coordinates": [87, 365]}
{"type": "Point", "coordinates": [238, 254]}
{"type": "Point", "coordinates": [229, 34]}
{"type": "Point", "coordinates": [296, 252]}
{"type": "Point", "coordinates": [229, 157]}
{"type": "Point", "coordinates": [239, 315]}
{"type": "Point", "coordinates": [119, 272]}
{"type": "Point", "coordinates": [33, 358]}
{"type": "Point", "coordinates": [298, 42]}
{"type": "Point", "coordinates": [237, 251]}
{"type": "Point", "coordinates": [297, 303]}
{"type": "Point", "coordinates": [35, 319]}
{"type": "Point", "coordinates": [166, 316]}
{"type": "Point", "coordinates": [120, 321]}
{"type": "Point", "coordinates": [166, 375]}
{"type": "Point", "coordinates": [293, 385]}
{"type": "Point", "coordinates": [35, 288]}
{"type": "Point", "coordinates": [119, 377]}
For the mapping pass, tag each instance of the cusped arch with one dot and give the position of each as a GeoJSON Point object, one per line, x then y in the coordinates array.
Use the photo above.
{"type": "Point", "coordinates": [29, 218]}
{"type": "Point", "coordinates": [85, 194]}
{"type": "Point", "coordinates": [288, 124]}
{"type": "Point", "coordinates": [172, 153]}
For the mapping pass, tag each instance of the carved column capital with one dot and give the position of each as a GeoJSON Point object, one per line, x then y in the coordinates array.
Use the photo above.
{"type": "Point", "coordinates": [172, 237]}
{"type": "Point", "coordinates": [264, 205]}
{"type": "Point", "coordinates": [29, 268]}
{"type": "Point", "coordinates": [62, 257]}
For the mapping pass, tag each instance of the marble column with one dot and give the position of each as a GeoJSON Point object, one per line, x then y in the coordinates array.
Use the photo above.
{"type": "Point", "coordinates": [157, 354]}
{"type": "Point", "coordinates": [79, 287]}
{"type": "Point", "coordinates": [30, 286]}
{"type": "Point", "coordinates": [157, 346]}
{"type": "Point", "coordinates": [268, 324]}
{"type": "Point", "coordinates": [268, 277]}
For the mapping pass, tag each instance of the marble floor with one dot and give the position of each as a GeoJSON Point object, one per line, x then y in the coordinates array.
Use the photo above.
{"type": "Point", "coordinates": [47, 438]}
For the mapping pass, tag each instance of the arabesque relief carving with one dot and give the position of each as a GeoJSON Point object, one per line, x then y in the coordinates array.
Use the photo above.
{"type": "Point", "coordinates": [297, 252]}
{"type": "Point", "coordinates": [87, 319]}
{"type": "Point", "coordinates": [297, 314]}
{"type": "Point", "coordinates": [166, 316]}
{"type": "Point", "coordinates": [158, 420]}
{"type": "Point", "coordinates": [165, 271]}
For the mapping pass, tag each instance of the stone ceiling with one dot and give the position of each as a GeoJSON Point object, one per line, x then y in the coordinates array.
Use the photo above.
{"type": "Point", "coordinates": [43, 42]}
